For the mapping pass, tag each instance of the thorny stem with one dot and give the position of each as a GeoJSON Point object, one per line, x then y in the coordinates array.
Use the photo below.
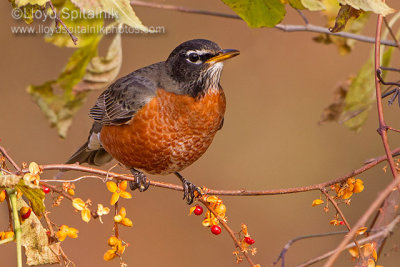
{"type": "Point", "coordinates": [229, 230]}
{"type": "Point", "coordinates": [12, 194]}
{"type": "Point", "coordinates": [282, 27]}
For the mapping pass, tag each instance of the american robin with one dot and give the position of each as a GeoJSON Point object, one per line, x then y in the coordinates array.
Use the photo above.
{"type": "Point", "coordinates": [160, 118]}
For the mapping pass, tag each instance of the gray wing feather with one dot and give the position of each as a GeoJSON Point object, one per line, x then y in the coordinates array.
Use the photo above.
{"type": "Point", "coordinates": [123, 99]}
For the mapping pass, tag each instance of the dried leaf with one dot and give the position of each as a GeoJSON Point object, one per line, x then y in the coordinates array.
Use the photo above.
{"type": "Point", "coordinates": [345, 13]}
{"type": "Point", "coordinates": [35, 240]}
{"type": "Point", "coordinates": [335, 109]}
{"type": "Point", "coordinates": [376, 6]}
{"type": "Point", "coordinates": [56, 98]}
{"type": "Point", "coordinates": [102, 70]}
{"type": "Point", "coordinates": [344, 45]}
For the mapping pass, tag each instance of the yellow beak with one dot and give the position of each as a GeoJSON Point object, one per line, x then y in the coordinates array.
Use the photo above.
{"type": "Point", "coordinates": [223, 55]}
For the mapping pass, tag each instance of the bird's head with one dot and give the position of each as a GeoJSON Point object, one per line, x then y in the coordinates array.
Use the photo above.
{"type": "Point", "coordinates": [197, 64]}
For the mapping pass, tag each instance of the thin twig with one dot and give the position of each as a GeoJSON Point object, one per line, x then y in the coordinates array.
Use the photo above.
{"type": "Point", "coordinates": [302, 16]}
{"type": "Point", "coordinates": [391, 32]}
{"type": "Point", "coordinates": [338, 210]}
{"type": "Point", "coordinates": [282, 27]}
{"type": "Point", "coordinates": [7, 240]}
{"type": "Point", "coordinates": [76, 179]}
{"type": "Point", "coordinates": [58, 20]}
{"type": "Point", "coordinates": [292, 241]}
{"type": "Point", "coordinates": [228, 229]}
{"type": "Point", "coordinates": [5, 154]}
{"type": "Point", "coordinates": [384, 232]}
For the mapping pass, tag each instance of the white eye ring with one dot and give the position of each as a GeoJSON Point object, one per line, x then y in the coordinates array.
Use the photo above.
{"type": "Point", "coordinates": [194, 58]}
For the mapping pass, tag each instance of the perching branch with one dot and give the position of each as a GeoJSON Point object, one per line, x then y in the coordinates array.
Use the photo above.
{"type": "Point", "coordinates": [282, 27]}
{"type": "Point", "coordinates": [241, 192]}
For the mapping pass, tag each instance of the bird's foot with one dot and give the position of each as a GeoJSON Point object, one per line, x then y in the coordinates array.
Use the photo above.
{"type": "Point", "coordinates": [141, 182]}
{"type": "Point", "coordinates": [189, 189]}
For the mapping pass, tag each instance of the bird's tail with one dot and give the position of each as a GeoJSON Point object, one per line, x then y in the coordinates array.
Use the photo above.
{"type": "Point", "coordinates": [96, 157]}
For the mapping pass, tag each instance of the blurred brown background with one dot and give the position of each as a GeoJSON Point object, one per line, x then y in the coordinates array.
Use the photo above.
{"type": "Point", "coordinates": [276, 90]}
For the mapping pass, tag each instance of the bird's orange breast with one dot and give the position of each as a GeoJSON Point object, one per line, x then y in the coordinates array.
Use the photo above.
{"type": "Point", "coordinates": [168, 134]}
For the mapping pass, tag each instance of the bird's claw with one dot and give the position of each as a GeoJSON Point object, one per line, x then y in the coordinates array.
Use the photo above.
{"type": "Point", "coordinates": [188, 191]}
{"type": "Point", "coordinates": [141, 182]}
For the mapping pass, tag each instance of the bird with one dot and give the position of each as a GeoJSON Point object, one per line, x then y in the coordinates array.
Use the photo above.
{"type": "Point", "coordinates": [161, 118]}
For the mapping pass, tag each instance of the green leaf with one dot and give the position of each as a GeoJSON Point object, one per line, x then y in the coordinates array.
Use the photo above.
{"type": "Point", "coordinates": [361, 94]}
{"type": "Point", "coordinates": [296, 4]}
{"type": "Point", "coordinates": [56, 98]}
{"type": "Point", "coordinates": [38, 251]}
{"type": "Point", "coordinates": [102, 70]}
{"type": "Point", "coordinates": [258, 13]}
{"type": "Point", "coordinates": [346, 12]}
{"type": "Point", "coordinates": [313, 5]}
{"type": "Point", "coordinates": [86, 27]}
{"type": "Point", "coordinates": [34, 195]}
{"type": "Point", "coordinates": [376, 6]}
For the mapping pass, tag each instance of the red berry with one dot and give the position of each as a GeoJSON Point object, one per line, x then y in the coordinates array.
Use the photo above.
{"type": "Point", "coordinates": [198, 210]}
{"type": "Point", "coordinates": [249, 240]}
{"type": "Point", "coordinates": [341, 223]}
{"type": "Point", "coordinates": [215, 229]}
{"type": "Point", "coordinates": [46, 190]}
{"type": "Point", "coordinates": [25, 212]}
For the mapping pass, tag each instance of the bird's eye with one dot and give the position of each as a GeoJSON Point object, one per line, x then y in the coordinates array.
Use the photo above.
{"type": "Point", "coordinates": [193, 57]}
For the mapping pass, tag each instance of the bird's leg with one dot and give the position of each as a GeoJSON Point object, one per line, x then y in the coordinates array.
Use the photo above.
{"type": "Point", "coordinates": [140, 182]}
{"type": "Point", "coordinates": [188, 189]}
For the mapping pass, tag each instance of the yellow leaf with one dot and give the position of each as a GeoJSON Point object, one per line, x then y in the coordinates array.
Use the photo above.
{"type": "Point", "coordinates": [86, 216]}
{"type": "Point", "coordinates": [317, 202]}
{"type": "Point", "coordinates": [109, 255]}
{"type": "Point", "coordinates": [114, 198]}
{"type": "Point", "coordinates": [124, 12]}
{"type": "Point", "coordinates": [313, 5]}
{"type": "Point", "coordinates": [362, 230]}
{"type": "Point", "coordinates": [125, 194]}
{"type": "Point", "coordinates": [111, 186]}
{"type": "Point", "coordinates": [78, 204]}
{"type": "Point", "coordinates": [127, 222]}
{"type": "Point", "coordinates": [376, 6]}
{"type": "Point", "coordinates": [32, 2]}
